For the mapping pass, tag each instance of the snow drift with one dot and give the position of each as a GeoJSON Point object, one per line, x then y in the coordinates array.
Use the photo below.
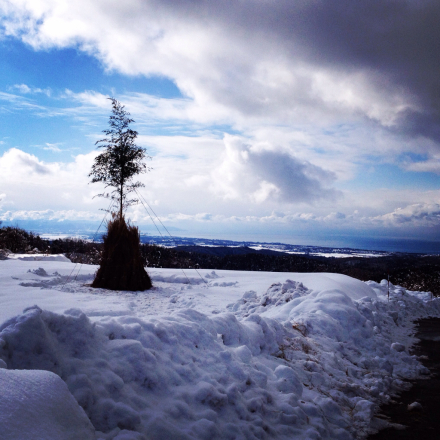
{"type": "Point", "coordinates": [291, 361]}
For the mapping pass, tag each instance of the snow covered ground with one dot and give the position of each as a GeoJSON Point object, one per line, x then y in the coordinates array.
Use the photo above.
{"type": "Point", "coordinates": [235, 355]}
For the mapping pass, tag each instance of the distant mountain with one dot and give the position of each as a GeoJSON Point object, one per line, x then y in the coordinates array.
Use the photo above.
{"type": "Point", "coordinates": [229, 247]}
{"type": "Point", "coordinates": [222, 251]}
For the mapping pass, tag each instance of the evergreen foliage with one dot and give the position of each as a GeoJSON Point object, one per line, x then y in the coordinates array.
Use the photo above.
{"type": "Point", "coordinates": [121, 159]}
{"type": "Point", "coordinates": [18, 240]}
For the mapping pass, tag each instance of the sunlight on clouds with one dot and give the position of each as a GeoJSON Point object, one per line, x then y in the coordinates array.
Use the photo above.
{"type": "Point", "coordinates": [357, 93]}
{"type": "Point", "coordinates": [420, 215]}
{"type": "Point", "coordinates": [32, 182]}
{"type": "Point", "coordinates": [265, 191]}
{"type": "Point", "coordinates": [432, 165]}
{"type": "Point", "coordinates": [52, 147]}
{"type": "Point", "coordinates": [308, 110]}
{"type": "Point", "coordinates": [15, 160]}
{"type": "Point", "coordinates": [50, 215]}
{"type": "Point", "coordinates": [225, 75]}
{"type": "Point", "coordinates": [256, 172]}
{"type": "Point", "coordinates": [25, 89]}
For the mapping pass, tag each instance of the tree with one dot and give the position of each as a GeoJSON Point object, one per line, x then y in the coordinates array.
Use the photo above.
{"type": "Point", "coordinates": [121, 160]}
{"type": "Point", "coordinates": [121, 266]}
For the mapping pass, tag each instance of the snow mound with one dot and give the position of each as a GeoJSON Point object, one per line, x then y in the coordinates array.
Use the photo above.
{"type": "Point", "coordinates": [39, 257]}
{"type": "Point", "coordinates": [277, 294]}
{"type": "Point", "coordinates": [40, 272]}
{"type": "Point", "coordinates": [55, 280]}
{"type": "Point", "coordinates": [178, 279]}
{"type": "Point", "coordinates": [212, 275]}
{"type": "Point", "coordinates": [294, 363]}
{"type": "Point", "coordinates": [308, 357]}
{"type": "Point", "coordinates": [38, 405]}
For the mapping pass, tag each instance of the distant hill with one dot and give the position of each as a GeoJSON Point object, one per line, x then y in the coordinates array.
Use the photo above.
{"type": "Point", "coordinates": [222, 251]}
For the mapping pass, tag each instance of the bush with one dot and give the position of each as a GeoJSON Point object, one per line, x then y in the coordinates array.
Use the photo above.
{"type": "Point", "coordinates": [19, 241]}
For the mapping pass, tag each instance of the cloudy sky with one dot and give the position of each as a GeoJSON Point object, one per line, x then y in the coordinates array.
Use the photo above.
{"type": "Point", "coordinates": [274, 119]}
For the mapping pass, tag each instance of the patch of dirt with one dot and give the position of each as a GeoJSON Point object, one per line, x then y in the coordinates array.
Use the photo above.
{"type": "Point", "coordinates": [424, 423]}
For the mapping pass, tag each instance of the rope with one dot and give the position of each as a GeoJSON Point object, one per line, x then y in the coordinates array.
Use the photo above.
{"type": "Point", "coordinates": [142, 200]}
{"type": "Point", "coordinates": [77, 272]}
{"type": "Point", "coordinates": [93, 240]}
{"type": "Point", "coordinates": [67, 279]}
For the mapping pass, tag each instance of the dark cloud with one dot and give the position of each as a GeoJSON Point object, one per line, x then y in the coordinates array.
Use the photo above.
{"type": "Point", "coordinates": [268, 175]}
{"type": "Point", "coordinates": [395, 42]}
{"type": "Point", "coordinates": [298, 181]}
{"type": "Point", "coordinates": [33, 164]}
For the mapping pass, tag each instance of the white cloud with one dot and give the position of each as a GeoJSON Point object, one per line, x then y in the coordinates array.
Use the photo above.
{"type": "Point", "coordinates": [25, 89]}
{"type": "Point", "coordinates": [304, 123]}
{"type": "Point", "coordinates": [22, 88]}
{"type": "Point", "coordinates": [417, 215]}
{"type": "Point", "coordinates": [14, 160]}
{"type": "Point", "coordinates": [52, 147]}
{"type": "Point", "coordinates": [431, 165]}
{"type": "Point", "coordinates": [89, 98]}
{"type": "Point", "coordinates": [230, 68]}
{"type": "Point", "coordinates": [261, 172]}
{"type": "Point", "coordinates": [33, 184]}
{"type": "Point", "coordinates": [50, 215]}
{"type": "Point", "coordinates": [412, 216]}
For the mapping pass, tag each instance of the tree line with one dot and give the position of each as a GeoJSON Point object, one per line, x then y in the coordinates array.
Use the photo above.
{"type": "Point", "coordinates": [413, 272]}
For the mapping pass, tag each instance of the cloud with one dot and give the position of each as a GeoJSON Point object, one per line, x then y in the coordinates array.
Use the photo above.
{"type": "Point", "coordinates": [312, 88]}
{"type": "Point", "coordinates": [431, 165]}
{"type": "Point", "coordinates": [25, 89]}
{"type": "Point", "coordinates": [18, 102]}
{"type": "Point", "coordinates": [417, 215]}
{"type": "Point", "coordinates": [35, 185]}
{"type": "Point", "coordinates": [411, 217]}
{"type": "Point", "coordinates": [52, 147]}
{"type": "Point", "coordinates": [353, 78]}
{"type": "Point", "coordinates": [50, 215]}
{"type": "Point", "coordinates": [288, 61]}
{"type": "Point", "coordinates": [261, 173]}
{"type": "Point", "coordinates": [14, 160]}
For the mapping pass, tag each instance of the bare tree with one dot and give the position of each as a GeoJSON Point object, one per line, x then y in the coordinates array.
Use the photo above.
{"type": "Point", "coordinates": [121, 160]}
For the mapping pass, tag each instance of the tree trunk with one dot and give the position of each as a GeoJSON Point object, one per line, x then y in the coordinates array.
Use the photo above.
{"type": "Point", "coordinates": [120, 200]}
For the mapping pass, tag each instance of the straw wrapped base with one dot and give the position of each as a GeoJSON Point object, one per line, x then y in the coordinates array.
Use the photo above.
{"type": "Point", "coordinates": [121, 265]}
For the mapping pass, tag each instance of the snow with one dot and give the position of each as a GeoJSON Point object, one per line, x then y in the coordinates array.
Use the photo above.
{"type": "Point", "coordinates": [39, 257]}
{"type": "Point", "coordinates": [235, 355]}
{"type": "Point", "coordinates": [37, 404]}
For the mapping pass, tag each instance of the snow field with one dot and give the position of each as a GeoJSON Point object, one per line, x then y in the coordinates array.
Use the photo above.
{"type": "Point", "coordinates": [309, 356]}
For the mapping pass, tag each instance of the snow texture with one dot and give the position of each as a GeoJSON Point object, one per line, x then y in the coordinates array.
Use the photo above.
{"type": "Point", "coordinates": [238, 355]}
{"type": "Point", "coordinates": [38, 405]}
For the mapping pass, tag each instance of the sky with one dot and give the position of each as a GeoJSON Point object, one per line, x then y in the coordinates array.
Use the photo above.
{"type": "Point", "coordinates": [293, 121]}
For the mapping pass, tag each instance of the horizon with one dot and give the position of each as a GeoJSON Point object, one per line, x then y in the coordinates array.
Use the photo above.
{"type": "Point", "coordinates": [369, 244]}
{"type": "Point", "coordinates": [311, 121]}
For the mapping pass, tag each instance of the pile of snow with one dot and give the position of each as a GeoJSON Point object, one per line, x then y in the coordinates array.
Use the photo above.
{"type": "Point", "coordinates": [39, 257]}
{"type": "Point", "coordinates": [37, 404]}
{"type": "Point", "coordinates": [309, 356]}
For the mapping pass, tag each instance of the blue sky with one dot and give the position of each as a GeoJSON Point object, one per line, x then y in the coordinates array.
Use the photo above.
{"type": "Point", "coordinates": [270, 120]}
